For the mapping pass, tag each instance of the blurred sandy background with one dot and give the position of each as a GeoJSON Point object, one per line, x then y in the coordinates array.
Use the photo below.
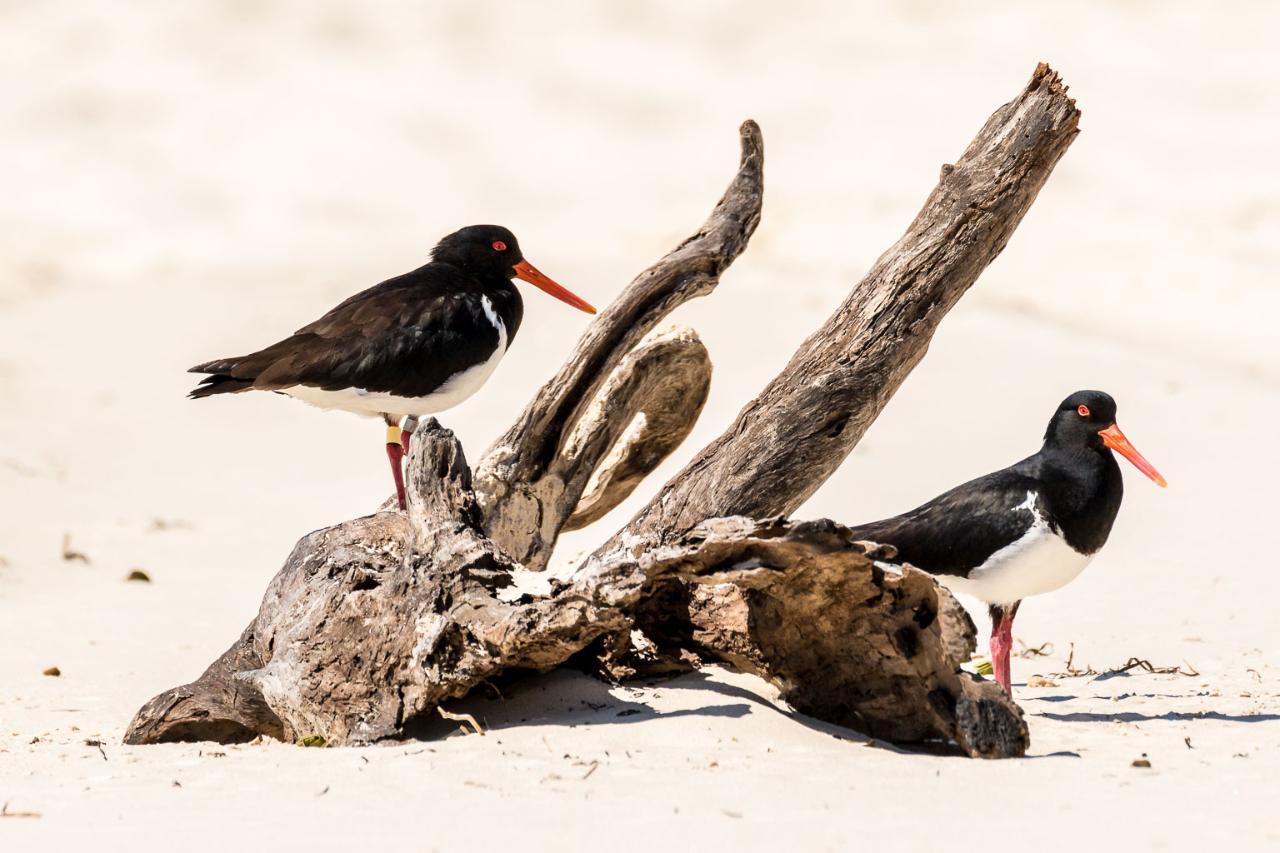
{"type": "Point", "coordinates": [186, 181]}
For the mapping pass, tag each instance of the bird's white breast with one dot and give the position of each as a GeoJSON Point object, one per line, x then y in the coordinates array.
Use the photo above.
{"type": "Point", "coordinates": [1039, 561]}
{"type": "Point", "coordinates": [451, 392]}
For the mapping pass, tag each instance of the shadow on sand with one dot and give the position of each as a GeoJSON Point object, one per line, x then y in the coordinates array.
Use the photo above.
{"type": "Point", "coordinates": [1134, 717]}
{"type": "Point", "coordinates": [567, 698]}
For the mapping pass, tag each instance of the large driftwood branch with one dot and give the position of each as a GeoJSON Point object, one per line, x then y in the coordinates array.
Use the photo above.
{"type": "Point", "coordinates": [787, 441]}
{"type": "Point", "coordinates": [526, 501]}
{"type": "Point", "coordinates": [373, 623]}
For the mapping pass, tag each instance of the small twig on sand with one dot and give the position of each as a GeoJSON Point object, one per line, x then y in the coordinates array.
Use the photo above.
{"type": "Point", "coordinates": [95, 742]}
{"type": "Point", "coordinates": [1133, 663]}
{"type": "Point", "coordinates": [1146, 666]}
{"type": "Point", "coordinates": [1040, 651]}
{"type": "Point", "coordinates": [461, 718]}
{"type": "Point", "coordinates": [1071, 671]}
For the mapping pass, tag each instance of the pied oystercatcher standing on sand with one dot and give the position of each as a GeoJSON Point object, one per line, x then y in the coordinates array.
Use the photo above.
{"type": "Point", "coordinates": [1027, 529]}
{"type": "Point", "coordinates": [413, 345]}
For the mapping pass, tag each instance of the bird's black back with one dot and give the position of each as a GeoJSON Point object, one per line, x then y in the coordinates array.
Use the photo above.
{"type": "Point", "coordinates": [405, 336]}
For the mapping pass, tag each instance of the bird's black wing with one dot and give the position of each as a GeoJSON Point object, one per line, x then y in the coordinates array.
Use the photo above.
{"type": "Point", "coordinates": [956, 531]}
{"type": "Point", "coordinates": [402, 336]}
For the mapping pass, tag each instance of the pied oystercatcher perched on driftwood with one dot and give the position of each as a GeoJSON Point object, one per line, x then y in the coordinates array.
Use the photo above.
{"type": "Point", "coordinates": [413, 345]}
{"type": "Point", "coordinates": [1029, 528]}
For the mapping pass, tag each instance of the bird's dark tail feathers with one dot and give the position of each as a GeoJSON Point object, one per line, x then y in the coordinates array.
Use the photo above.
{"type": "Point", "coordinates": [219, 383]}
{"type": "Point", "coordinates": [221, 379]}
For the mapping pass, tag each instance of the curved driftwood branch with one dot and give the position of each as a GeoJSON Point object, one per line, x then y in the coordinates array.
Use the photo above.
{"type": "Point", "coordinates": [373, 623]}
{"type": "Point", "coordinates": [510, 479]}
{"type": "Point", "coordinates": [789, 440]}
{"type": "Point", "coordinates": [645, 410]}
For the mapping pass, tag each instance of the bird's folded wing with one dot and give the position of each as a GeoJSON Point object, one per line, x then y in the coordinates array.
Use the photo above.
{"type": "Point", "coordinates": [389, 338]}
{"type": "Point", "coordinates": [959, 529]}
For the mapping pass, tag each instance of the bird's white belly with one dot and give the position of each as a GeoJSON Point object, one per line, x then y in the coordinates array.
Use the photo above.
{"type": "Point", "coordinates": [453, 391]}
{"type": "Point", "coordinates": [1041, 561]}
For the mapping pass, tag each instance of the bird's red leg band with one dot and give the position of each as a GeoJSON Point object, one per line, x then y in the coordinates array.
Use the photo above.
{"type": "Point", "coordinates": [395, 453]}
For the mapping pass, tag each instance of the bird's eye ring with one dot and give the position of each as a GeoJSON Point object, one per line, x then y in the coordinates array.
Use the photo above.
{"type": "Point", "coordinates": [1082, 410]}
{"type": "Point", "coordinates": [499, 246]}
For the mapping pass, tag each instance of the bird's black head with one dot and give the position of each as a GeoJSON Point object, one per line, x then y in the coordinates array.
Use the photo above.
{"type": "Point", "coordinates": [483, 249]}
{"type": "Point", "coordinates": [1087, 420]}
{"type": "Point", "coordinates": [491, 251]}
{"type": "Point", "coordinates": [1080, 418]}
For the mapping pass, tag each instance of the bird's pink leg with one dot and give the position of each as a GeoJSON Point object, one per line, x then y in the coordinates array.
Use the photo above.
{"type": "Point", "coordinates": [395, 453]}
{"type": "Point", "coordinates": [1001, 645]}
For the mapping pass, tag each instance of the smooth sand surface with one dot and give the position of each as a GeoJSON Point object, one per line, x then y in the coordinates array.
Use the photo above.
{"type": "Point", "coordinates": [187, 181]}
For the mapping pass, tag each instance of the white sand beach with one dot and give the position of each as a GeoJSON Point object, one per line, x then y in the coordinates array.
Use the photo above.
{"type": "Point", "coordinates": [188, 181]}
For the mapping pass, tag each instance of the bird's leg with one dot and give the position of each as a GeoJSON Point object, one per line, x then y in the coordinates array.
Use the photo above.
{"type": "Point", "coordinates": [406, 432]}
{"type": "Point", "coordinates": [395, 453]}
{"type": "Point", "coordinates": [1002, 643]}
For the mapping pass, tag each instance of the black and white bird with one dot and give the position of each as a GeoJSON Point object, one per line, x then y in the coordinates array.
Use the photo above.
{"type": "Point", "coordinates": [1028, 529]}
{"type": "Point", "coordinates": [413, 345]}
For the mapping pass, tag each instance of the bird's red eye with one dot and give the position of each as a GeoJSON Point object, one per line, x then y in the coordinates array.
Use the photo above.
{"type": "Point", "coordinates": [1083, 410]}
{"type": "Point", "coordinates": [499, 246]}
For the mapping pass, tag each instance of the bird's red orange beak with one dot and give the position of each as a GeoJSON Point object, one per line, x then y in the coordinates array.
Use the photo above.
{"type": "Point", "coordinates": [526, 271]}
{"type": "Point", "coordinates": [1112, 437]}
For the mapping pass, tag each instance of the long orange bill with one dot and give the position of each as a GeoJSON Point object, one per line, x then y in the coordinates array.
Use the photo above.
{"type": "Point", "coordinates": [1112, 437]}
{"type": "Point", "coordinates": [526, 271]}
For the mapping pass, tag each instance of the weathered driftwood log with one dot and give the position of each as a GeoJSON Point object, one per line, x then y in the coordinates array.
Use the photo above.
{"type": "Point", "coordinates": [373, 623]}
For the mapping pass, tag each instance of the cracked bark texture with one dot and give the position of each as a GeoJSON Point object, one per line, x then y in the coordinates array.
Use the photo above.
{"type": "Point", "coordinates": [375, 622]}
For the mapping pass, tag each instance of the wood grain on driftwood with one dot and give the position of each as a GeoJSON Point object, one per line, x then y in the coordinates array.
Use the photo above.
{"type": "Point", "coordinates": [373, 623]}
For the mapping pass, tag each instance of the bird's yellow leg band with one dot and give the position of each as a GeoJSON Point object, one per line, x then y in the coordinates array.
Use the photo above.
{"type": "Point", "coordinates": [393, 433]}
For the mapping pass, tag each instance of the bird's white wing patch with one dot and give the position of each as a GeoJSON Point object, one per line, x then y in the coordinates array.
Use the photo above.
{"type": "Point", "coordinates": [1039, 561]}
